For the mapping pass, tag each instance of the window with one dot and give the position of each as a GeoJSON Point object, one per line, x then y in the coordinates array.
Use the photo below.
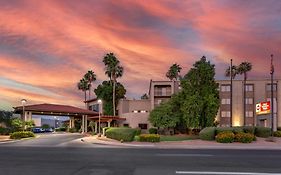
{"type": "Point", "coordinates": [249, 87]}
{"type": "Point", "coordinates": [249, 114]}
{"type": "Point", "coordinates": [249, 101]}
{"type": "Point", "coordinates": [225, 101]}
{"type": "Point", "coordinates": [268, 87]}
{"type": "Point", "coordinates": [225, 113]}
{"type": "Point", "coordinates": [225, 88]}
{"type": "Point", "coordinates": [142, 125]}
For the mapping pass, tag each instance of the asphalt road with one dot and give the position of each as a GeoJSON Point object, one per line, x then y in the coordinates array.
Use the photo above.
{"type": "Point", "coordinates": [65, 154]}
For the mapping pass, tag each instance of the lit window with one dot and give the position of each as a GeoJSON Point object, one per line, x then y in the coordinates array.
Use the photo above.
{"type": "Point", "coordinates": [225, 101]}
{"type": "Point", "coordinates": [268, 87]}
{"type": "Point", "coordinates": [142, 111]}
{"type": "Point", "coordinates": [249, 88]}
{"type": "Point", "coordinates": [225, 113]}
{"type": "Point", "coordinates": [135, 111]}
{"type": "Point", "coordinates": [225, 88]}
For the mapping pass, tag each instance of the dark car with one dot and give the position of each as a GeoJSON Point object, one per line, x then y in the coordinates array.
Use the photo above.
{"type": "Point", "coordinates": [37, 130]}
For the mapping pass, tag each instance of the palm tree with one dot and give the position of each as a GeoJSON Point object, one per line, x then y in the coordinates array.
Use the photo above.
{"type": "Point", "coordinates": [173, 72]}
{"type": "Point", "coordinates": [232, 74]}
{"type": "Point", "coordinates": [83, 85]}
{"type": "Point", "coordinates": [113, 70]}
{"type": "Point", "coordinates": [90, 76]}
{"type": "Point", "coordinates": [244, 68]}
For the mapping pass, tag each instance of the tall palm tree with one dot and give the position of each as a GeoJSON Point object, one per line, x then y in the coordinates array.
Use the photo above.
{"type": "Point", "coordinates": [83, 85]}
{"type": "Point", "coordinates": [243, 69]}
{"type": "Point", "coordinates": [90, 77]}
{"type": "Point", "coordinates": [113, 70]}
{"type": "Point", "coordinates": [231, 72]}
{"type": "Point", "coordinates": [173, 72]}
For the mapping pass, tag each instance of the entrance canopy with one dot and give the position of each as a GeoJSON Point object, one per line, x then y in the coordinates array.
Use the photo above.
{"type": "Point", "coordinates": [106, 118]}
{"type": "Point", "coordinates": [54, 109]}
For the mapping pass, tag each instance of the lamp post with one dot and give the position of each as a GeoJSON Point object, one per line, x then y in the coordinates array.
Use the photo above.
{"type": "Point", "coordinates": [100, 108]}
{"type": "Point", "coordinates": [23, 101]}
{"type": "Point", "coordinates": [231, 80]}
{"type": "Point", "coordinates": [272, 102]}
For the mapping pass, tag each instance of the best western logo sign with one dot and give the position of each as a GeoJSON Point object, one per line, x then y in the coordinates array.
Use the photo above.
{"type": "Point", "coordinates": [263, 108]}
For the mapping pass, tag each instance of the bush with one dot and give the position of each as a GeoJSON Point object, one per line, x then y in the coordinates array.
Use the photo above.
{"type": "Point", "coordinates": [63, 129]}
{"type": "Point", "coordinates": [138, 131]}
{"type": "Point", "coordinates": [72, 130]}
{"type": "Point", "coordinates": [244, 137]}
{"type": "Point", "coordinates": [5, 131]}
{"type": "Point", "coordinates": [223, 129]}
{"type": "Point", "coordinates": [195, 131]}
{"type": "Point", "coordinates": [277, 134]}
{"type": "Point", "coordinates": [237, 129]}
{"type": "Point", "coordinates": [22, 134]}
{"type": "Point", "coordinates": [152, 130]}
{"type": "Point", "coordinates": [262, 131]}
{"type": "Point", "coordinates": [125, 134]}
{"type": "Point", "coordinates": [278, 128]}
{"type": "Point", "coordinates": [149, 138]}
{"type": "Point", "coordinates": [249, 129]}
{"type": "Point", "coordinates": [207, 133]}
{"type": "Point", "coordinates": [225, 137]}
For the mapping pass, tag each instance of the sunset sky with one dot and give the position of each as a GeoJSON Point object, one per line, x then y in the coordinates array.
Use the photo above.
{"type": "Point", "coordinates": [47, 46]}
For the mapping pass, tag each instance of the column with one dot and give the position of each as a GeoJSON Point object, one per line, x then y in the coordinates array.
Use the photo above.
{"type": "Point", "coordinates": [96, 127]}
{"type": "Point", "coordinates": [86, 123]}
{"type": "Point", "coordinates": [83, 123]}
{"type": "Point", "coordinates": [108, 124]}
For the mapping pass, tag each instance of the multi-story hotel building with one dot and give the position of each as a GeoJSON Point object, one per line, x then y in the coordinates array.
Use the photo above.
{"type": "Point", "coordinates": [136, 112]}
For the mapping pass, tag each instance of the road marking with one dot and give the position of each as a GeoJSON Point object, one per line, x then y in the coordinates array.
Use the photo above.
{"type": "Point", "coordinates": [185, 155]}
{"type": "Point", "coordinates": [224, 173]}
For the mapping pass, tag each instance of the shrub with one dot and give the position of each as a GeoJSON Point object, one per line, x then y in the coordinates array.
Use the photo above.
{"type": "Point", "coordinates": [60, 129]}
{"type": "Point", "coordinates": [138, 131]}
{"type": "Point", "coordinates": [207, 133]}
{"type": "Point", "coordinates": [249, 129]}
{"type": "Point", "coordinates": [137, 138]}
{"type": "Point", "coordinates": [244, 137]}
{"type": "Point", "coordinates": [237, 129]}
{"type": "Point", "coordinates": [5, 131]}
{"type": "Point", "coordinates": [22, 134]}
{"type": "Point", "coordinates": [195, 131]}
{"type": "Point", "coordinates": [72, 130]}
{"type": "Point", "coordinates": [125, 134]}
{"type": "Point", "coordinates": [278, 128]}
{"type": "Point", "coordinates": [225, 137]}
{"type": "Point", "coordinates": [149, 138]}
{"type": "Point", "coordinates": [262, 131]}
{"type": "Point", "coordinates": [152, 130]}
{"type": "Point", "coordinates": [277, 134]}
{"type": "Point", "coordinates": [223, 129]}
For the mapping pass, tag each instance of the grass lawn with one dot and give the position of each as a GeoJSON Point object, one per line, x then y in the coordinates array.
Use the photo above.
{"type": "Point", "coordinates": [178, 137]}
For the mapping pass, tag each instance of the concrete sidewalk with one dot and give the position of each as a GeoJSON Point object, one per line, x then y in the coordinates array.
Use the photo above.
{"type": "Point", "coordinates": [260, 144]}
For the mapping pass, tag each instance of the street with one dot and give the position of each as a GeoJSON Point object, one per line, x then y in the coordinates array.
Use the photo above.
{"type": "Point", "coordinates": [61, 154]}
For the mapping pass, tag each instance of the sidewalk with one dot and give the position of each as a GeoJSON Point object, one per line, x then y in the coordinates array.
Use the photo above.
{"type": "Point", "coordinates": [4, 138]}
{"type": "Point", "coordinates": [260, 144]}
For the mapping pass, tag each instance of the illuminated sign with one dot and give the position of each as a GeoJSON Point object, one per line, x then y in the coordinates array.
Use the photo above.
{"type": "Point", "coordinates": [263, 108]}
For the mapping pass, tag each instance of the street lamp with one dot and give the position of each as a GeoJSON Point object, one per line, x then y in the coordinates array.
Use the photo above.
{"type": "Point", "coordinates": [272, 99]}
{"type": "Point", "coordinates": [100, 108]}
{"type": "Point", "coordinates": [23, 101]}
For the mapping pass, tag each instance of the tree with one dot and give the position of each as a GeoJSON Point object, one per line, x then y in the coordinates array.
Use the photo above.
{"type": "Point", "coordinates": [173, 72]}
{"type": "Point", "coordinates": [243, 69]}
{"type": "Point", "coordinates": [83, 85]}
{"type": "Point", "coordinates": [90, 77]}
{"type": "Point", "coordinates": [29, 123]}
{"type": "Point", "coordinates": [144, 96]}
{"type": "Point", "coordinates": [104, 92]}
{"type": "Point", "coordinates": [234, 71]}
{"type": "Point", "coordinates": [17, 124]}
{"type": "Point", "coordinates": [200, 95]}
{"type": "Point", "coordinates": [113, 70]}
{"type": "Point", "coordinates": [162, 116]}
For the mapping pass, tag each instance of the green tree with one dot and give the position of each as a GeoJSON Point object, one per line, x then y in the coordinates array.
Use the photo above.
{"type": "Point", "coordinates": [104, 92]}
{"type": "Point", "coordinates": [83, 85]}
{"type": "Point", "coordinates": [90, 77]}
{"type": "Point", "coordinates": [243, 69]}
{"type": "Point", "coordinates": [173, 72]}
{"type": "Point", "coordinates": [234, 71]}
{"type": "Point", "coordinates": [200, 95]}
{"type": "Point", "coordinates": [17, 124]}
{"type": "Point", "coordinates": [113, 70]}
{"type": "Point", "coordinates": [29, 123]}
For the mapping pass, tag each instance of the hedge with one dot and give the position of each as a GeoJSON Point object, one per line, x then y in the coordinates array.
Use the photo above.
{"type": "Point", "coordinates": [152, 130]}
{"type": "Point", "coordinates": [237, 129]}
{"type": "Point", "coordinates": [138, 131]}
{"type": "Point", "coordinates": [277, 134]}
{"type": "Point", "coordinates": [223, 129]}
{"type": "Point", "coordinates": [5, 131]}
{"type": "Point", "coordinates": [121, 134]}
{"type": "Point", "coordinates": [225, 137]}
{"type": "Point", "coordinates": [149, 138]}
{"type": "Point", "coordinates": [262, 131]}
{"type": "Point", "coordinates": [207, 133]}
{"type": "Point", "coordinates": [249, 129]}
{"type": "Point", "coordinates": [22, 134]}
{"type": "Point", "coordinates": [244, 137]}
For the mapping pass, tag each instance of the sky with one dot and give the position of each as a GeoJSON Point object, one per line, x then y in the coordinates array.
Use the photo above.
{"type": "Point", "coordinates": [47, 46]}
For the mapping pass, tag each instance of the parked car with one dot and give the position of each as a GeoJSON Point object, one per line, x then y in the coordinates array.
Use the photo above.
{"type": "Point", "coordinates": [37, 130]}
{"type": "Point", "coordinates": [49, 130]}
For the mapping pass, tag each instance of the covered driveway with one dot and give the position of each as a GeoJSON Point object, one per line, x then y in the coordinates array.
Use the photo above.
{"type": "Point", "coordinates": [56, 110]}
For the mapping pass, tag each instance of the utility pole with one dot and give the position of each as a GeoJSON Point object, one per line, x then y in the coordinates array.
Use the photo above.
{"type": "Point", "coordinates": [272, 102]}
{"type": "Point", "coordinates": [231, 78]}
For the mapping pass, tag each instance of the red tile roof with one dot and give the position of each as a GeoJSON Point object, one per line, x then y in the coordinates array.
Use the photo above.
{"type": "Point", "coordinates": [54, 108]}
{"type": "Point", "coordinates": [106, 117]}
